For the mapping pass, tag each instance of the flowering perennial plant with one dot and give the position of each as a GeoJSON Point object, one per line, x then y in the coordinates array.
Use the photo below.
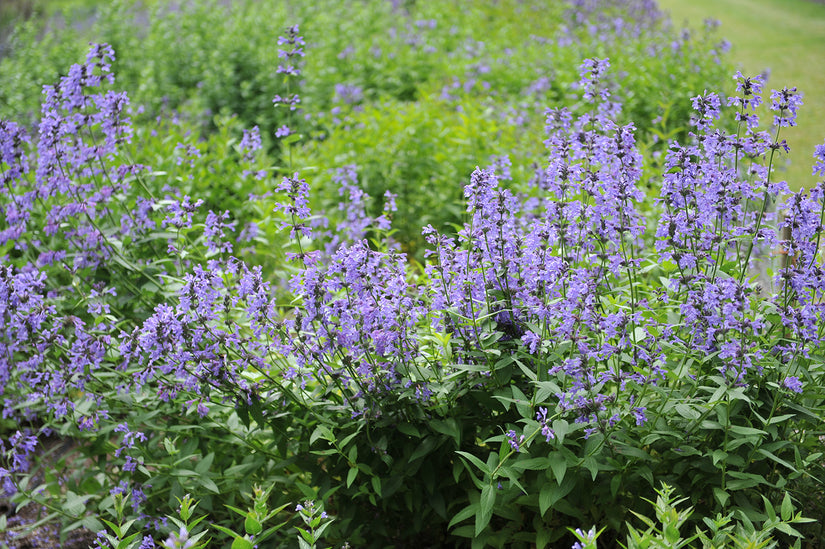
{"type": "Point", "coordinates": [573, 341]}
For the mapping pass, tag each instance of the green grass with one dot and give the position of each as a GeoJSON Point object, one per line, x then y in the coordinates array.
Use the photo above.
{"type": "Point", "coordinates": [786, 36]}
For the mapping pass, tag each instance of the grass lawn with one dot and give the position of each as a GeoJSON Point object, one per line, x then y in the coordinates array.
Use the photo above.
{"type": "Point", "coordinates": [785, 36]}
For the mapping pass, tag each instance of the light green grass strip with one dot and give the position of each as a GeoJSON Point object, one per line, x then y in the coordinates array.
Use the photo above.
{"type": "Point", "coordinates": [786, 36]}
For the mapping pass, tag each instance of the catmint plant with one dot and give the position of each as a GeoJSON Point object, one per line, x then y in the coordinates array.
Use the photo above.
{"type": "Point", "coordinates": [572, 341]}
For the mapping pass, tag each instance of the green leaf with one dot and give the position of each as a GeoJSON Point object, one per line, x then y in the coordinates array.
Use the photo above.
{"type": "Point", "coordinates": [209, 484]}
{"type": "Point", "coordinates": [560, 428]}
{"type": "Point", "coordinates": [558, 464]}
{"type": "Point", "coordinates": [376, 485]}
{"type": "Point", "coordinates": [787, 508]}
{"type": "Point", "coordinates": [225, 530]}
{"type": "Point", "coordinates": [523, 404]}
{"type": "Point", "coordinates": [532, 464]}
{"type": "Point", "coordinates": [542, 538]}
{"type": "Point", "coordinates": [719, 455]}
{"type": "Point", "coordinates": [592, 465]}
{"type": "Point", "coordinates": [75, 505]}
{"type": "Point", "coordinates": [615, 483]}
{"type": "Point", "coordinates": [291, 138]}
{"type": "Point", "coordinates": [321, 431]}
{"type": "Point", "coordinates": [485, 508]}
{"type": "Point", "coordinates": [769, 509]}
{"type": "Point", "coordinates": [251, 525]}
{"type": "Point", "coordinates": [778, 460]}
{"type": "Point", "coordinates": [671, 534]}
{"type": "Point", "coordinates": [464, 514]}
{"type": "Point", "coordinates": [449, 427]}
{"type": "Point", "coordinates": [721, 496]}
{"type": "Point", "coordinates": [205, 464]}
{"type": "Point", "coordinates": [170, 447]}
{"type": "Point", "coordinates": [127, 542]}
{"type": "Point", "coordinates": [475, 461]}
{"type": "Point", "coordinates": [353, 472]}
{"type": "Point", "coordinates": [740, 481]}
{"type": "Point", "coordinates": [242, 543]}
{"type": "Point", "coordinates": [788, 529]}
{"type": "Point", "coordinates": [746, 431]}
{"type": "Point", "coordinates": [409, 430]}
{"type": "Point", "coordinates": [687, 412]}
{"type": "Point", "coordinates": [423, 449]}
{"type": "Point", "coordinates": [531, 375]}
{"type": "Point", "coordinates": [551, 493]}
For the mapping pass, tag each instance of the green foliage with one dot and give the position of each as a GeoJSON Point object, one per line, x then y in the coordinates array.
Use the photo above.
{"type": "Point", "coordinates": [666, 531]}
{"type": "Point", "coordinates": [457, 451]}
{"type": "Point", "coordinates": [434, 147]}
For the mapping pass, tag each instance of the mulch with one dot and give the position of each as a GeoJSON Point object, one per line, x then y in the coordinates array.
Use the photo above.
{"type": "Point", "coordinates": [19, 535]}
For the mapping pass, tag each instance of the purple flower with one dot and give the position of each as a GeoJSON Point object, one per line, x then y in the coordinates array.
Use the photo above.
{"type": "Point", "coordinates": [297, 205]}
{"type": "Point", "coordinates": [541, 417]}
{"type": "Point", "coordinates": [293, 49]}
{"type": "Point", "coordinates": [639, 415]}
{"type": "Point", "coordinates": [792, 383]}
{"type": "Point", "coordinates": [214, 232]}
{"type": "Point", "coordinates": [250, 143]}
{"type": "Point", "coordinates": [785, 103]}
{"type": "Point", "coordinates": [129, 438]}
{"type": "Point", "coordinates": [180, 213]}
{"type": "Point", "coordinates": [819, 156]}
{"type": "Point", "coordinates": [514, 440]}
{"type": "Point", "coordinates": [707, 109]}
{"type": "Point", "coordinates": [751, 89]}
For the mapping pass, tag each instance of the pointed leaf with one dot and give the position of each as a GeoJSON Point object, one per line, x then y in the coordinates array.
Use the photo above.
{"type": "Point", "coordinates": [485, 508]}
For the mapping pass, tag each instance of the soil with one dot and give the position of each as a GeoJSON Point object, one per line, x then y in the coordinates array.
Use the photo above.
{"type": "Point", "coordinates": [46, 536]}
{"type": "Point", "coordinates": [19, 533]}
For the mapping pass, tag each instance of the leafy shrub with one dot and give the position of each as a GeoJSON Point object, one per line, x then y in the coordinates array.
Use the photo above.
{"type": "Point", "coordinates": [497, 71]}
{"type": "Point", "coordinates": [565, 335]}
